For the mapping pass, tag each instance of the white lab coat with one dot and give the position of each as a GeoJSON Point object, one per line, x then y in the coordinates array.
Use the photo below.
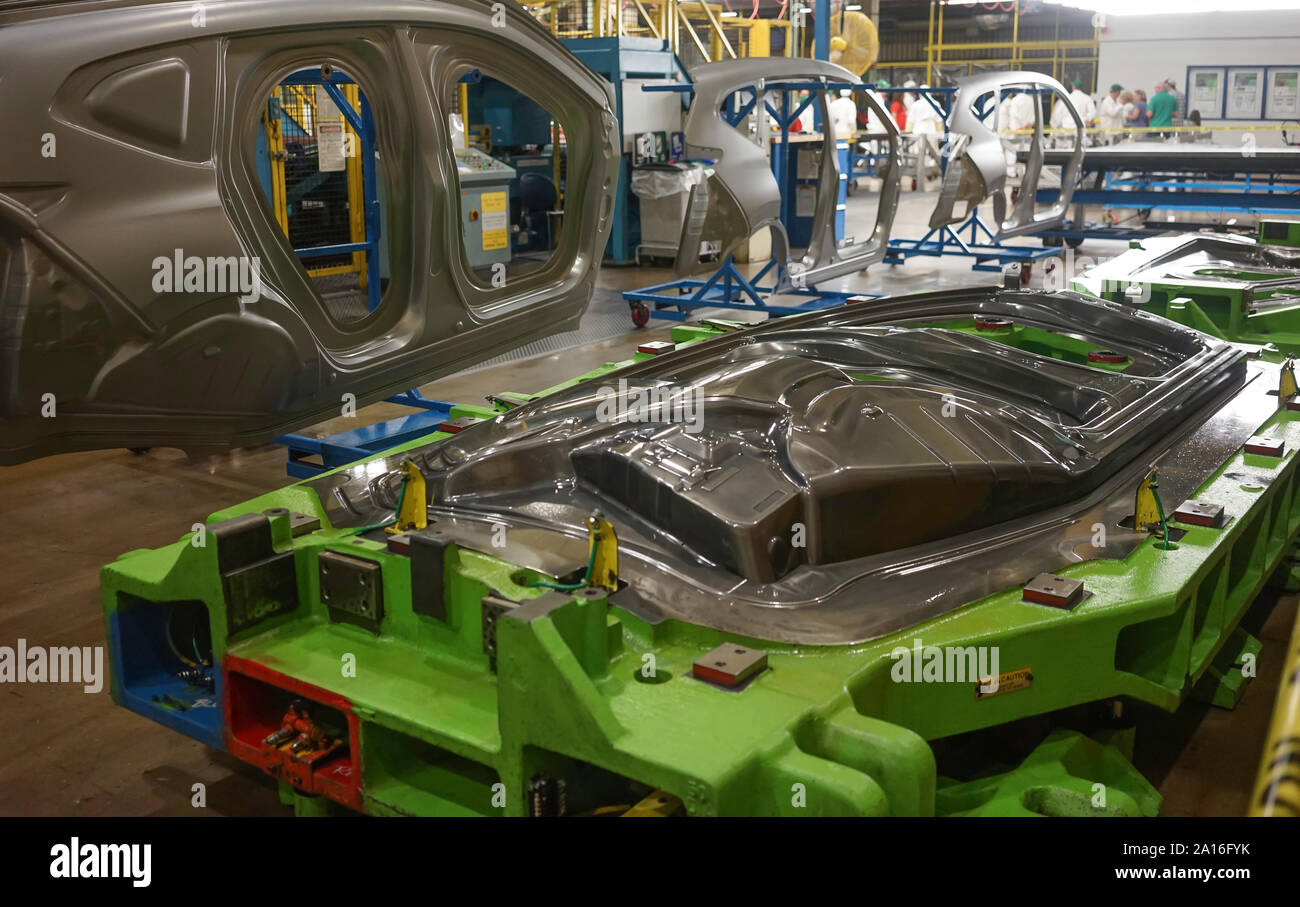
{"type": "Point", "coordinates": [874, 123]}
{"type": "Point", "coordinates": [921, 117]}
{"type": "Point", "coordinates": [1112, 114]}
{"type": "Point", "coordinates": [1087, 110]}
{"type": "Point", "coordinates": [1016, 112]}
{"type": "Point", "coordinates": [844, 116]}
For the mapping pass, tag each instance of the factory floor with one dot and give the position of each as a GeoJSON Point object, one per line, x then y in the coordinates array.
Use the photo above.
{"type": "Point", "coordinates": [71, 753]}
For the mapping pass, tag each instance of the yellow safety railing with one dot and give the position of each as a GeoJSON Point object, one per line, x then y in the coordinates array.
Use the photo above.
{"type": "Point", "coordinates": [700, 23]}
{"type": "Point", "coordinates": [1013, 54]}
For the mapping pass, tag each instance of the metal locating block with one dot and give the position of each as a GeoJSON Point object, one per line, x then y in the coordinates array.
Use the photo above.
{"type": "Point", "coordinates": [1052, 590]}
{"type": "Point", "coordinates": [1265, 446]}
{"type": "Point", "coordinates": [1200, 513]}
{"type": "Point", "coordinates": [352, 588]}
{"type": "Point", "coordinates": [730, 664]}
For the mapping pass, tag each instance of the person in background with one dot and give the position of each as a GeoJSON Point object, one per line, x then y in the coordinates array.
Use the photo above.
{"type": "Point", "coordinates": [926, 125]}
{"type": "Point", "coordinates": [1061, 118]}
{"type": "Point", "coordinates": [1179, 99]}
{"type": "Point", "coordinates": [1137, 118]}
{"type": "Point", "coordinates": [921, 115]}
{"type": "Point", "coordinates": [898, 110]}
{"type": "Point", "coordinates": [1161, 109]}
{"type": "Point", "coordinates": [1128, 102]}
{"type": "Point", "coordinates": [1019, 108]}
{"type": "Point", "coordinates": [870, 120]}
{"type": "Point", "coordinates": [844, 114]}
{"type": "Point", "coordinates": [1111, 112]}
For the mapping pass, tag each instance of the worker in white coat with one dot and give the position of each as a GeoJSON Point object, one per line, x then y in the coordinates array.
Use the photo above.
{"type": "Point", "coordinates": [874, 124]}
{"type": "Point", "coordinates": [921, 115]}
{"type": "Point", "coordinates": [1111, 114]}
{"type": "Point", "coordinates": [1016, 112]}
{"type": "Point", "coordinates": [1084, 104]}
{"type": "Point", "coordinates": [844, 114]}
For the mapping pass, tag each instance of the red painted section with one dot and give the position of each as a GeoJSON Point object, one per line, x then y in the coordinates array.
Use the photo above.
{"type": "Point", "coordinates": [255, 701]}
{"type": "Point", "coordinates": [705, 672]}
{"type": "Point", "coordinates": [1265, 447]}
{"type": "Point", "coordinates": [1044, 598]}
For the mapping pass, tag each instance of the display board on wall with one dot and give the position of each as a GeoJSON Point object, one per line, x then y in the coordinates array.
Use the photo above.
{"type": "Point", "coordinates": [1244, 92]}
{"type": "Point", "coordinates": [1205, 90]}
{"type": "Point", "coordinates": [1282, 93]}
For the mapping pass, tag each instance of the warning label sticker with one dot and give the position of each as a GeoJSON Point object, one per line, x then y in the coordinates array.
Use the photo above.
{"type": "Point", "coordinates": [1006, 682]}
{"type": "Point", "coordinates": [496, 225]}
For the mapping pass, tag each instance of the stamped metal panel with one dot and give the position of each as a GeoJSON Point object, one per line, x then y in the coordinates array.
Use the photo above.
{"type": "Point", "coordinates": [928, 467]}
{"type": "Point", "coordinates": [742, 195]}
{"type": "Point", "coordinates": [131, 132]}
{"type": "Point", "coordinates": [977, 163]}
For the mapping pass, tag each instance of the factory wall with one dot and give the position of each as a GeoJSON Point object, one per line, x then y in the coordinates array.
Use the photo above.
{"type": "Point", "coordinates": [1138, 50]}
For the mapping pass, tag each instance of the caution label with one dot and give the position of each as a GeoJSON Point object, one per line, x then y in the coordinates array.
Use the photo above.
{"type": "Point", "coordinates": [496, 220]}
{"type": "Point", "coordinates": [1006, 682]}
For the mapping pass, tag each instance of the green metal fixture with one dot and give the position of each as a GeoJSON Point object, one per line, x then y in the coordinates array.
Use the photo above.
{"type": "Point", "coordinates": [414, 674]}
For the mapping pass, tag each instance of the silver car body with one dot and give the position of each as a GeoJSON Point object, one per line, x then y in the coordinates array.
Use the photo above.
{"type": "Point", "coordinates": [131, 136]}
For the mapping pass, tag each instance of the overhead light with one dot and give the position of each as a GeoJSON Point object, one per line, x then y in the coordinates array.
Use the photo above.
{"type": "Point", "coordinates": [852, 8]}
{"type": "Point", "coordinates": [1160, 7]}
{"type": "Point", "coordinates": [728, 15]}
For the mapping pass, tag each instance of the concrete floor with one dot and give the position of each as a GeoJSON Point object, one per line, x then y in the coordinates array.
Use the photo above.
{"type": "Point", "coordinates": [66, 752]}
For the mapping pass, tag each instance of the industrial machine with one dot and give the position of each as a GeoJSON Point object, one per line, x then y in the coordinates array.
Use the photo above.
{"type": "Point", "coordinates": [688, 584]}
{"type": "Point", "coordinates": [629, 64]}
{"type": "Point", "coordinates": [484, 207]}
{"type": "Point", "coordinates": [518, 131]}
{"type": "Point", "coordinates": [1233, 287]}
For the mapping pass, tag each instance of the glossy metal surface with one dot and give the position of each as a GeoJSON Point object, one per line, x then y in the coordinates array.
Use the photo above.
{"type": "Point", "coordinates": [742, 195]}
{"type": "Point", "coordinates": [1237, 263]}
{"type": "Point", "coordinates": [155, 117]}
{"type": "Point", "coordinates": [977, 162]}
{"type": "Point", "coordinates": [920, 466]}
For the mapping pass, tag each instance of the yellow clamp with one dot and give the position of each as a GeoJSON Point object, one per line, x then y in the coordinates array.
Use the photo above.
{"type": "Point", "coordinates": [1286, 383]}
{"type": "Point", "coordinates": [413, 510]}
{"type": "Point", "coordinates": [602, 552]}
{"type": "Point", "coordinates": [1146, 512]}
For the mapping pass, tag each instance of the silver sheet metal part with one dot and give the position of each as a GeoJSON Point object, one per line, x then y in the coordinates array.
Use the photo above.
{"type": "Point", "coordinates": [927, 466]}
{"type": "Point", "coordinates": [155, 121]}
{"type": "Point", "coordinates": [977, 161]}
{"type": "Point", "coordinates": [741, 196]}
{"type": "Point", "coordinates": [1223, 261]}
